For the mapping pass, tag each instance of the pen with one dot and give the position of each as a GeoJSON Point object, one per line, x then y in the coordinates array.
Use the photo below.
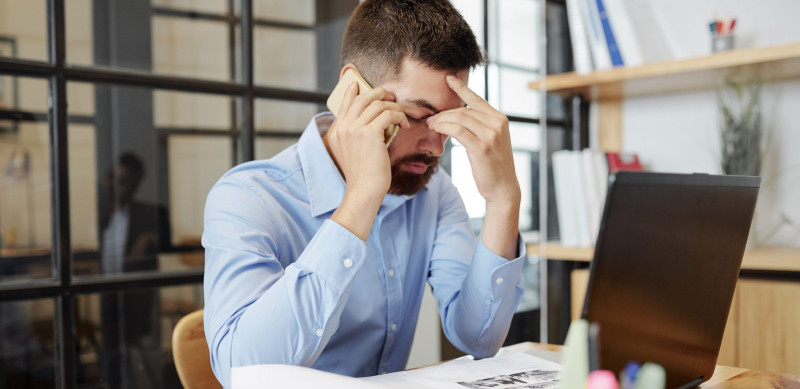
{"type": "Point", "coordinates": [733, 23]}
{"type": "Point", "coordinates": [594, 347]}
{"type": "Point", "coordinates": [628, 375]}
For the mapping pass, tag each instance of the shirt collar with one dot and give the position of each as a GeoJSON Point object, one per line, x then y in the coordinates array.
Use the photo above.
{"type": "Point", "coordinates": [324, 183]}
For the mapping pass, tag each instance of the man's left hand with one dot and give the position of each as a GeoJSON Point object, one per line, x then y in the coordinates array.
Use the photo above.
{"type": "Point", "coordinates": [484, 133]}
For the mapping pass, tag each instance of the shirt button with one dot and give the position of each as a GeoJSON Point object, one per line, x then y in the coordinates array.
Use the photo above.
{"type": "Point", "coordinates": [318, 332]}
{"type": "Point", "coordinates": [348, 263]}
{"type": "Point", "coordinates": [499, 280]}
{"type": "Point", "coordinates": [394, 326]}
{"type": "Point", "coordinates": [391, 272]}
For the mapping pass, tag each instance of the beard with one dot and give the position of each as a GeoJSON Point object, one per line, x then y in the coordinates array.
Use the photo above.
{"type": "Point", "coordinates": [405, 183]}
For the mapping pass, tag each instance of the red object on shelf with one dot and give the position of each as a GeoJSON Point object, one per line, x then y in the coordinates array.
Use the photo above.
{"type": "Point", "coordinates": [623, 161]}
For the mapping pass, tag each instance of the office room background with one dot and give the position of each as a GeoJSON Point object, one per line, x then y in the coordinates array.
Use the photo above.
{"type": "Point", "coordinates": [191, 88]}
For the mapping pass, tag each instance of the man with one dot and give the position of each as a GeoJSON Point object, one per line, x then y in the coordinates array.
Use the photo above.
{"type": "Point", "coordinates": [133, 233]}
{"type": "Point", "coordinates": [319, 256]}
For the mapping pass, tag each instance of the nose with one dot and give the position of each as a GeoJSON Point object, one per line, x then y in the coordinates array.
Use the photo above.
{"type": "Point", "coordinates": [432, 142]}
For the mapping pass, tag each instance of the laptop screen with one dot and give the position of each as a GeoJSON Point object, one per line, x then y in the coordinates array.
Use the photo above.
{"type": "Point", "coordinates": [665, 268]}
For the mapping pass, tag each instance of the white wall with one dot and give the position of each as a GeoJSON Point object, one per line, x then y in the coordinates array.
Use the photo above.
{"type": "Point", "coordinates": [679, 132]}
{"type": "Point", "coordinates": [426, 348]}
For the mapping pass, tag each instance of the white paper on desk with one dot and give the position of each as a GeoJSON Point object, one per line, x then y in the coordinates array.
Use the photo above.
{"type": "Point", "coordinates": [295, 377]}
{"type": "Point", "coordinates": [509, 371]}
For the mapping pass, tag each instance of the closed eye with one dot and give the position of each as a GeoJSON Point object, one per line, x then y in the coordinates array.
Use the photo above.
{"type": "Point", "coordinates": [418, 120]}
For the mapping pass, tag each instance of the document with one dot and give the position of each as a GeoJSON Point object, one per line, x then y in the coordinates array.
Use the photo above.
{"type": "Point", "coordinates": [509, 371]}
{"type": "Point", "coordinates": [294, 377]}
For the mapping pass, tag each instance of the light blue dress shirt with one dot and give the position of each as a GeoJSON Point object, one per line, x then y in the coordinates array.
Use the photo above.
{"type": "Point", "coordinates": [285, 284]}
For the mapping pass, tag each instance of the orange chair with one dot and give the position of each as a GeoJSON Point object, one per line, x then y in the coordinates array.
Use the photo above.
{"type": "Point", "coordinates": [190, 352]}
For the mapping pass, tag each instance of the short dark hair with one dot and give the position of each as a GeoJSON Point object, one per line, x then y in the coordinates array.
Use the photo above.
{"type": "Point", "coordinates": [381, 33]}
{"type": "Point", "coordinates": [134, 165]}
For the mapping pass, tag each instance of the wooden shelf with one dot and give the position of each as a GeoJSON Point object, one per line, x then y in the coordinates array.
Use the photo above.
{"type": "Point", "coordinates": [762, 258]}
{"type": "Point", "coordinates": [773, 63]}
{"type": "Point", "coordinates": [556, 251]}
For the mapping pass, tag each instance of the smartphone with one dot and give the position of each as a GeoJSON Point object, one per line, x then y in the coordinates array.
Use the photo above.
{"type": "Point", "coordinates": [337, 96]}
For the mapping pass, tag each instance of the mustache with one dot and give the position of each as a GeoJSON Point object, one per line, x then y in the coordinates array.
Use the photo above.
{"type": "Point", "coordinates": [426, 159]}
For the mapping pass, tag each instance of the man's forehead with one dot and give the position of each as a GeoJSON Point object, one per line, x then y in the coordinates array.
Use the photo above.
{"type": "Point", "coordinates": [431, 106]}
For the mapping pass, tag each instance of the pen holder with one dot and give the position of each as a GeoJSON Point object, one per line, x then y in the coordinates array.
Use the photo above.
{"type": "Point", "coordinates": [721, 43]}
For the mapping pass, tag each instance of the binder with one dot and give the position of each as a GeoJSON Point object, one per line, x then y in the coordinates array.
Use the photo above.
{"type": "Point", "coordinates": [611, 41]}
{"type": "Point", "coordinates": [581, 54]}
{"type": "Point", "coordinates": [597, 40]}
{"type": "Point", "coordinates": [627, 41]}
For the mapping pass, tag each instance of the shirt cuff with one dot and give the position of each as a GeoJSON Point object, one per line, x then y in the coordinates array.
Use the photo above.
{"type": "Point", "coordinates": [334, 254]}
{"type": "Point", "coordinates": [502, 274]}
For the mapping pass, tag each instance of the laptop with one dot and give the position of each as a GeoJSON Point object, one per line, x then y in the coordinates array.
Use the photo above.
{"type": "Point", "coordinates": [665, 266]}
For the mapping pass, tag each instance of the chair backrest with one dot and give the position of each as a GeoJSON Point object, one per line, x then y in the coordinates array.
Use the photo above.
{"type": "Point", "coordinates": [190, 352]}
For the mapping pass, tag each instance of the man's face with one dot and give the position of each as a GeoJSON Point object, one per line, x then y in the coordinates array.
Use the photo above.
{"type": "Point", "coordinates": [414, 153]}
{"type": "Point", "coordinates": [120, 184]}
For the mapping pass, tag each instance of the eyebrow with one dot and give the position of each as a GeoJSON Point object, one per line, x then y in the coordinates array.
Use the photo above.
{"type": "Point", "coordinates": [427, 105]}
{"type": "Point", "coordinates": [424, 104]}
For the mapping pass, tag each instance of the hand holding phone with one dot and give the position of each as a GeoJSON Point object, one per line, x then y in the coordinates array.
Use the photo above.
{"type": "Point", "coordinates": [354, 142]}
{"type": "Point", "coordinates": [337, 97]}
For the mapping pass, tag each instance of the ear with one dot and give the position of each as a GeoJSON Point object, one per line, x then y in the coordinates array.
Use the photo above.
{"type": "Point", "coordinates": [349, 65]}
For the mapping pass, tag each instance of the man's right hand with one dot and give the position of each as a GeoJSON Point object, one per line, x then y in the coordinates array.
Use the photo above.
{"type": "Point", "coordinates": [355, 142]}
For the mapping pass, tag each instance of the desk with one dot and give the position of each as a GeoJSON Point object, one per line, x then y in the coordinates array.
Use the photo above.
{"type": "Point", "coordinates": [724, 377]}
{"type": "Point", "coordinates": [758, 335]}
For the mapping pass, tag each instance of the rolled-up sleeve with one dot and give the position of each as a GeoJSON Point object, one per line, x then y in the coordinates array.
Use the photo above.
{"type": "Point", "coordinates": [260, 308]}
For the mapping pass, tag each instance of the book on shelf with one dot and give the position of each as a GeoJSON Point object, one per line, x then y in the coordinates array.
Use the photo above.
{"type": "Point", "coordinates": [581, 182]}
{"type": "Point", "coordinates": [567, 228]}
{"type": "Point", "coordinates": [597, 39]}
{"type": "Point", "coordinates": [608, 33]}
{"type": "Point", "coordinates": [626, 38]}
{"type": "Point", "coordinates": [581, 52]}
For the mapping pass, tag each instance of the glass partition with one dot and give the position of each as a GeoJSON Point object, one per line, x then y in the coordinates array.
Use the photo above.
{"type": "Point", "coordinates": [25, 187]}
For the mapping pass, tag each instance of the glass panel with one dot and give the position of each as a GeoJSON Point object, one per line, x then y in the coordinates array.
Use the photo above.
{"type": "Point", "coordinates": [301, 12]}
{"type": "Point", "coordinates": [524, 136]}
{"type": "Point", "coordinates": [184, 111]}
{"type": "Point", "coordinates": [286, 58]}
{"type": "Point", "coordinates": [208, 6]}
{"type": "Point", "coordinates": [472, 11]}
{"type": "Point", "coordinates": [509, 91]}
{"type": "Point", "coordinates": [477, 81]}
{"type": "Point", "coordinates": [464, 181]}
{"type": "Point", "coordinates": [196, 163]}
{"type": "Point", "coordinates": [267, 147]}
{"type": "Point", "coordinates": [276, 120]}
{"type": "Point", "coordinates": [141, 164]}
{"type": "Point", "coordinates": [23, 29]}
{"type": "Point", "coordinates": [516, 31]}
{"type": "Point", "coordinates": [514, 56]}
{"type": "Point", "coordinates": [27, 349]}
{"type": "Point", "coordinates": [25, 189]}
{"type": "Point", "coordinates": [79, 38]}
{"type": "Point", "coordinates": [285, 116]}
{"type": "Point", "coordinates": [525, 140]}
{"type": "Point", "coordinates": [191, 48]}
{"type": "Point", "coordinates": [124, 338]}
{"type": "Point", "coordinates": [176, 44]}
